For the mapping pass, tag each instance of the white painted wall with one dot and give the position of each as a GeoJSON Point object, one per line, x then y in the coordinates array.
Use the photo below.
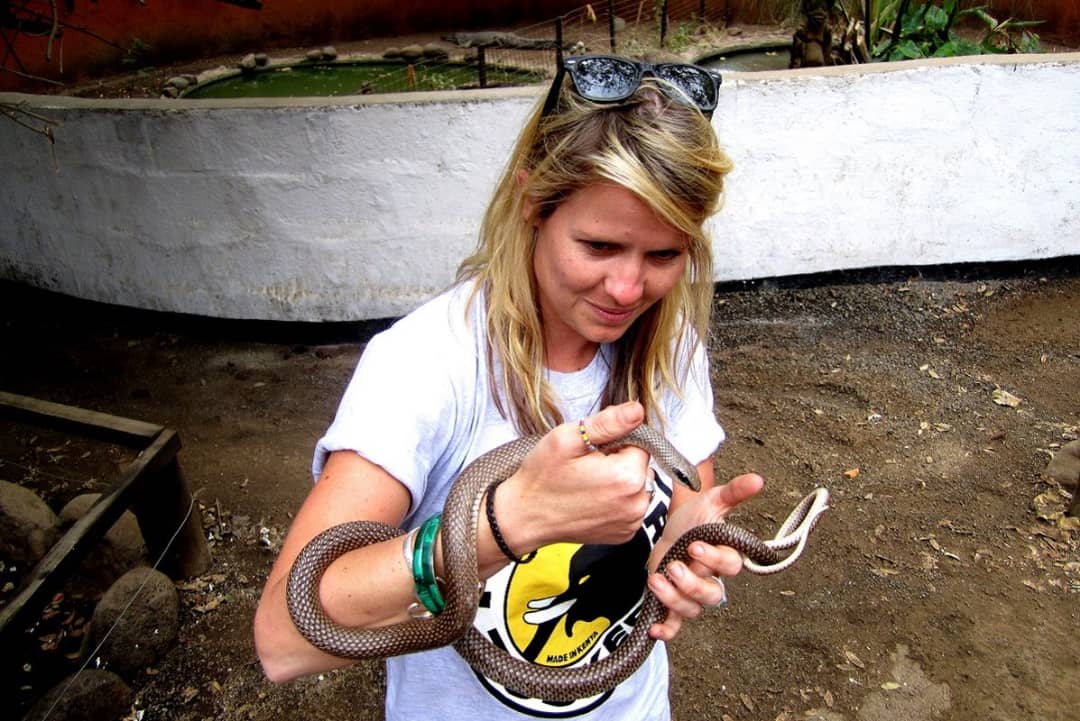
{"type": "Point", "coordinates": [362, 207]}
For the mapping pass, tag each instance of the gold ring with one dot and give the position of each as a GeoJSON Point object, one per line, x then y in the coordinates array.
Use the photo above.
{"type": "Point", "coordinates": [585, 436]}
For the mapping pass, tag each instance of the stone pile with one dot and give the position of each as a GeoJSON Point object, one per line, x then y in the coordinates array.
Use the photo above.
{"type": "Point", "coordinates": [414, 53]}
{"type": "Point", "coordinates": [136, 616]}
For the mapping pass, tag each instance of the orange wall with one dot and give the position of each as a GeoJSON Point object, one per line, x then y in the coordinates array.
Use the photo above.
{"type": "Point", "coordinates": [1062, 17]}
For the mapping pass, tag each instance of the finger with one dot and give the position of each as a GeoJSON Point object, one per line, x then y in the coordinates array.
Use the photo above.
{"type": "Point", "coordinates": [736, 491]}
{"type": "Point", "coordinates": [667, 630]}
{"type": "Point", "coordinates": [704, 591]}
{"type": "Point", "coordinates": [614, 422]}
{"type": "Point", "coordinates": [710, 560]}
{"type": "Point", "coordinates": [681, 590]}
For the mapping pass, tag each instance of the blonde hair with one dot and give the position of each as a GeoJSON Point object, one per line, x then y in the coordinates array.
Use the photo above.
{"type": "Point", "coordinates": [662, 151]}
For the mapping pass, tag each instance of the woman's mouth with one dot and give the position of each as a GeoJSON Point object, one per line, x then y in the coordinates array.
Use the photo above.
{"type": "Point", "coordinates": [612, 316]}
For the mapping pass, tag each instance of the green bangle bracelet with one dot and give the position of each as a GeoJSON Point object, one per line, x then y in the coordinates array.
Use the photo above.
{"type": "Point", "coordinates": [431, 599]}
{"type": "Point", "coordinates": [423, 566]}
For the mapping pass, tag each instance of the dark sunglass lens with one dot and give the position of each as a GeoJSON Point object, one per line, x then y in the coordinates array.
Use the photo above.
{"type": "Point", "coordinates": [604, 79]}
{"type": "Point", "coordinates": [699, 86]}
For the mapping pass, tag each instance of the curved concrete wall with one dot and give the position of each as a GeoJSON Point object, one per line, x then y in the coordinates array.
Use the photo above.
{"type": "Point", "coordinates": [362, 207]}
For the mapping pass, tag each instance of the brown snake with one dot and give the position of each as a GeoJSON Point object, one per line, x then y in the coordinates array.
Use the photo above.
{"type": "Point", "coordinates": [462, 590]}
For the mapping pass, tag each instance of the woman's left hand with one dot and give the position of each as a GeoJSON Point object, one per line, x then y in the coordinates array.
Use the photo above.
{"type": "Point", "coordinates": [687, 588]}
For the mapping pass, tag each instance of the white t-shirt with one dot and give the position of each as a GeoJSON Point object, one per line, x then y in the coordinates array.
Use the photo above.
{"type": "Point", "coordinates": [419, 405]}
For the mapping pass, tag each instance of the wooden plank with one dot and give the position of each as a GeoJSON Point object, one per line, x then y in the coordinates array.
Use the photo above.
{"type": "Point", "coordinates": [171, 511]}
{"type": "Point", "coordinates": [115, 429]}
{"type": "Point", "coordinates": [80, 538]}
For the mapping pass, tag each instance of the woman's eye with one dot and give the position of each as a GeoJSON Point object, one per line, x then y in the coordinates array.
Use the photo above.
{"type": "Point", "coordinates": [666, 256]}
{"type": "Point", "coordinates": [598, 246]}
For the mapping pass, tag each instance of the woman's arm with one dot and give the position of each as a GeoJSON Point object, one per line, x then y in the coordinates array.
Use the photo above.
{"type": "Point", "coordinates": [553, 497]}
{"type": "Point", "coordinates": [349, 488]}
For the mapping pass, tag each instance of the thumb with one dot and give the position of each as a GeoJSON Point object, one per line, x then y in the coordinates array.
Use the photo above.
{"type": "Point", "coordinates": [735, 491]}
{"type": "Point", "coordinates": [614, 422]}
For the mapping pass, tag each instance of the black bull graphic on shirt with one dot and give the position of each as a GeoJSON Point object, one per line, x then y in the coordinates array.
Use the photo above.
{"type": "Point", "coordinates": [605, 581]}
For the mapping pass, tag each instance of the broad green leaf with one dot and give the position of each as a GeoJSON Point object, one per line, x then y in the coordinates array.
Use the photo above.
{"type": "Point", "coordinates": [948, 50]}
{"type": "Point", "coordinates": [966, 47]}
{"type": "Point", "coordinates": [936, 18]}
{"type": "Point", "coordinates": [957, 46]}
{"type": "Point", "coordinates": [914, 23]}
{"type": "Point", "coordinates": [907, 50]}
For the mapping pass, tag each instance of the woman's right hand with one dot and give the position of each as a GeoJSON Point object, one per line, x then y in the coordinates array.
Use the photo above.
{"type": "Point", "coordinates": [566, 492]}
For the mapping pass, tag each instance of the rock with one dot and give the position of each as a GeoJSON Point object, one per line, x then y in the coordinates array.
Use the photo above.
{"type": "Point", "coordinates": [412, 52]}
{"type": "Point", "coordinates": [329, 53]}
{"type": "Point", "coordinates": [314, 55]}
{"type": "Point", "coordinates": [248, 62]}
{"type": "Point", "coordinates": [148, 627]}
{"type": "Point", "coordinates": [262, 59]}
{"type": "Point", "coordinates": [1064, 468]}
{"type": "Point", "coordinates": [620, 24]}
{"type": "Point", "coordinates": [170, 91]}
{"type": "Point", "coordinates": [28, 527]}
{"type": "Point", "coordinates": [92, 695]}
{"type": "Point", "coordinates": [436, 52]}
{"type": "Point", "coordinates": [179, 82]}
{"type": "Point", "coordinates": [392, 53]}
{"type": "Point", "coordinates": [120, 549]}
{"type": "Point", "coordinates": [496, 39]}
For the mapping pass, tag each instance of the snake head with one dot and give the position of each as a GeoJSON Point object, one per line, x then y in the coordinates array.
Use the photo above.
{"type": "Point", "coordinates": [690, 480]}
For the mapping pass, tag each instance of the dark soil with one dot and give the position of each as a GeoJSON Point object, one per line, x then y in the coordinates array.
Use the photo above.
{"type": "Point", "coordinates": [943, 583]}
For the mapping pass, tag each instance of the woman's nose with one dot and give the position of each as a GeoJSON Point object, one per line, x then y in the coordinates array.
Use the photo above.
{"type": "Point", "coordinates": [626, 282]}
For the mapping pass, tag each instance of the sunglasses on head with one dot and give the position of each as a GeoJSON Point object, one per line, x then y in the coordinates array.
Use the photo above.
{"type": "Point", "coordinates": [608, 79]}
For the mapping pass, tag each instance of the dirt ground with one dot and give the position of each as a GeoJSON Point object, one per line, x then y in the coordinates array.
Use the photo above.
{"type": "Point", "coordinates": [944, 582]}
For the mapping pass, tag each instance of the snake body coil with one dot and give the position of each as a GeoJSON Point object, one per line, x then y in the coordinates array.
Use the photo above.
{"type": "Point", "coordinates": [461, 593]}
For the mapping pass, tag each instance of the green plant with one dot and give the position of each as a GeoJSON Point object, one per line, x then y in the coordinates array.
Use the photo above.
{"type": "Point", "coordinates": [136, 54]}
{"type": "Point", "coordinates": [682, 38]}
{"type": "Point", "coordinates": [926, 29]}
{"type": "Point", "coordinates": [1001, 36]}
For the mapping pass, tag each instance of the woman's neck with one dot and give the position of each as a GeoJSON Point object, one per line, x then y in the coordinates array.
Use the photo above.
{"type": "Point", "coordinates": [568, 358]}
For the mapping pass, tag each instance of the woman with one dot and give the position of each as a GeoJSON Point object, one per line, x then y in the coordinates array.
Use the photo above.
{"type": "Point", "coordinates": [580, 316]}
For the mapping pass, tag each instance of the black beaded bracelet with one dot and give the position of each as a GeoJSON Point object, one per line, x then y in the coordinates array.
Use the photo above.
{"type": "Point", "coordinates": [499, 540]}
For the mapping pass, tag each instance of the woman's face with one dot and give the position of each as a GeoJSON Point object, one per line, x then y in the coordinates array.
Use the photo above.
{"type": "Point", "coordinates": [601, 260]}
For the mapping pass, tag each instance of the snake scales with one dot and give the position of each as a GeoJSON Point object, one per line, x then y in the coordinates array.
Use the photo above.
{"type": "Point", "coordinates": [462, 591]}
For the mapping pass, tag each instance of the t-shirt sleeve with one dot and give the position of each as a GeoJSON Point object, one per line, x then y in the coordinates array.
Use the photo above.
{"type": "Point", "coordinates": [689, 417]}
{"type": "Point", "coordinates": [396, 412]}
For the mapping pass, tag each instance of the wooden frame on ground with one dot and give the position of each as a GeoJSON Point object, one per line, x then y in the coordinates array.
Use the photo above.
{"type": "Point", "coordinates": [152, 486]}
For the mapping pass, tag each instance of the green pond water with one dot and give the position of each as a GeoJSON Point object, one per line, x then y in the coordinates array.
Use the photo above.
{"type": "Point", "coordinates": [356, 78]}
{"type": "Point", "coordinates": [750, 61]}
